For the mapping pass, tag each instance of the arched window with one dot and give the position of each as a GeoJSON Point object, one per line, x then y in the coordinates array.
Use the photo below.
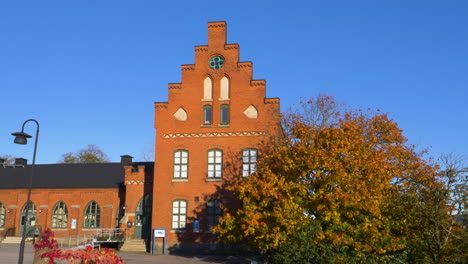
{"type": "Point", "coordinates": [207, 115]}
{"type": "Point", "coordinates": [92, 216]}
{"type": "Point", "coordinates": [224, 119]}
{"type": "Point", "coordinates": [180, 164]}
{"type": "Point", "coordinates": [207, 89]}
{"type": "Point", "coordinates": [60, 215]}
{"type": "Point", "coordinates": [224, 93]}
{"type": "Point", "coordinates": [179, 214]}
{"type": "Point", "coordinates": [215, 164]}
{"type": "Point", "coordinates": [2, 215]}
{"type": "Point", "coordinates": [213, 212]}
{"type": "Point", "coordinates": [249, 161]}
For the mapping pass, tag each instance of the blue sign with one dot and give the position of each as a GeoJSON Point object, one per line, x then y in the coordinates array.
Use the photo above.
{"type": "Point", "coordinates": [196, 226]}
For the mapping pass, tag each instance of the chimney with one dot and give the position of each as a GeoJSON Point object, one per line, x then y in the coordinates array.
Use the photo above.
{"type": "Point", "coordinates": [21, 161]}
{"type": "Point", "coordinates": [126, 160]}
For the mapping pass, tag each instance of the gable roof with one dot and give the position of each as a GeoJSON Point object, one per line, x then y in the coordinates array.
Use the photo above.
{"type": "Point", "coordinates": [55, 176]}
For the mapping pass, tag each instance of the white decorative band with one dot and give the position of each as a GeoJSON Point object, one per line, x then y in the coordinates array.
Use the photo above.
{"type": "Point", "coordinates": [218, 134]}
{"type": "Point", "coordinates": [137, 182]}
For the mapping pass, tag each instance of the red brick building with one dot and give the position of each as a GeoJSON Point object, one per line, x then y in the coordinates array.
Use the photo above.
{"type": "Point", "coordinates": [209, 131]}
{"type": "Point", "coordinates": [73, 199]}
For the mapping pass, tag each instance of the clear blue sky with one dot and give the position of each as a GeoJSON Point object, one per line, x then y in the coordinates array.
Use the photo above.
{"type": "Point", "coordinates": [89, 71]}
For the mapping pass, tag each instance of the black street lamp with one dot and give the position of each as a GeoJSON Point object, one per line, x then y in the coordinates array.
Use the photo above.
{"type": "Point", "coordinates": [22, 138]}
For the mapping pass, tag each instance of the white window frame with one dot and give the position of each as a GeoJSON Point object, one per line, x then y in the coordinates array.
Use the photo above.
{"type": "Point", "coordinates": [179, 215]}
{"type": "Point", "coordinates": [249, 161]}
{"type": "Point", "coordinates": [180, 164]}
{"type": "Point", "coordinates": [215, 164]}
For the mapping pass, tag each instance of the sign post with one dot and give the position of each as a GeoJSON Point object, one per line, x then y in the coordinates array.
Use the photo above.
{"type": "Point", "coordinates": [159, 232]}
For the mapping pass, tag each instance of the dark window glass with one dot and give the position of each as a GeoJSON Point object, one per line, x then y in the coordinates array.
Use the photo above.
{"type": "Point", "coordinates": [224, 114]}
{"type": "Point", "coordinates": [213, 212]}
{"type": "Point", "coordinates": [207, 115]}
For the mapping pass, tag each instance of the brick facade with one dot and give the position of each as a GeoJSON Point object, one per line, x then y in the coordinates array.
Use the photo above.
{"type": "Point", "coordinates": [210, 131]}
{"type": "Point", "coordinates": [252, 120]}
{"type": "Point", "coordinates": [76, 201]}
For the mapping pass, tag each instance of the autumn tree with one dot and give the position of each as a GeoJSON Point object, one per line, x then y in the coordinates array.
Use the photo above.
{"type": "Point", "coordinates": [339, 182]}
{"type": "Point", "coordinates": [8, 159]}
{"type": "Point", "coordinates": [441, 216]}
{"type": "Point", "coordinates": [91, 154]}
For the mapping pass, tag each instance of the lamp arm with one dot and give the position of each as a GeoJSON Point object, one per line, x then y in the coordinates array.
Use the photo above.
{"type": "Point", "coordinates": [28, 202]}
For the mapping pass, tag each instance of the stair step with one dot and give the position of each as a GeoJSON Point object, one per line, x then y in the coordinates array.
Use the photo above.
{"type": "Point", "coordinates": [136, 245]}
{"type": "Point", "coordinates": [12, 240]}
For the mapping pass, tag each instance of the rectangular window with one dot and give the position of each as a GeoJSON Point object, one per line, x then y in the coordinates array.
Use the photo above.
{"type": "Point", "coordinates": [224, 114]}
{"type": "Point", "coordinates": [207, 113]}
{"type": "Point", "coordinates": [215, 163]}
{"type": "Point", "coordinates": [213, 212]}
{"type": "Point", "coordinates": [179, 214]}
{"type": "Point", "coordinates": [249, 162]}
{"type": "Point", "coordinates": [180, 164]}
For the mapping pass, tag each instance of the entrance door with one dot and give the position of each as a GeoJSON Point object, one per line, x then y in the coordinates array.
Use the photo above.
{"type": "Point", "coordinates": [143, 218]}
{"type": "Point", "coordinates": [31, 221]}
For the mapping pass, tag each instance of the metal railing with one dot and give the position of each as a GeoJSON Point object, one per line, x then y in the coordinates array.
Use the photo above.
{"type": "Point", "coordinates": [105, 235]}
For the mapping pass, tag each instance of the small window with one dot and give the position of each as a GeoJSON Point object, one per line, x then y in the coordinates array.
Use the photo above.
{"type": "Point", "coordinates": [2, 215]}
{"type": "Point", "coordinates": [215, 164]}
{"type": "Point", "coordinates": [249, 162]}
{"type": "Point", "coordinates": [213, 212]}
{"type": "Point", "coordinates": [224, 114]}
{"type": "Point", "coordinates": [207, 115]}
{"type": "Point", "coordinates": [180, 164]}
{"type": "Point", "coordinates": [92, 216]}
{"type": "Point", "coordinates": [216, 62]}
{"type": "Point", "coordinates": [179, 214]}
{"type": "Point", "coordinates": [60, 215]}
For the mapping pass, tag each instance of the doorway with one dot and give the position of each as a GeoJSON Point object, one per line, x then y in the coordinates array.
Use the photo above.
{"type": "Point", "coordinates": [31, 221]}
{"type": "Point", "coordinates": [143, 218]}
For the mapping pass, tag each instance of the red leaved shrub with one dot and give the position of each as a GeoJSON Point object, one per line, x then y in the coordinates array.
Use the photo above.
{"type": "Point", "coordinates": [80, 256]}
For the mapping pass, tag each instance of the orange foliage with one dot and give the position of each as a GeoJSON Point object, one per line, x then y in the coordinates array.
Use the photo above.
{"type": "Point", "coordinates": [341, 171]}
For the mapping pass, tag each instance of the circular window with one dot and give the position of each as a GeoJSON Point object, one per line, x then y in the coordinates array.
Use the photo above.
{"type": "Point", "coordinates": [216, 62]}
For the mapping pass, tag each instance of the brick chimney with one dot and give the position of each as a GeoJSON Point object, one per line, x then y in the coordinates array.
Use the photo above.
{"type": "Point", "coordinates": [126, 160]}
{"type": "Point", "coordinates": [21, 161]}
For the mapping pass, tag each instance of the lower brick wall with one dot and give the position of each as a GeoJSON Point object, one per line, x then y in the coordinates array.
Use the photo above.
{"type": "Point", "coordinates": [76, 201]}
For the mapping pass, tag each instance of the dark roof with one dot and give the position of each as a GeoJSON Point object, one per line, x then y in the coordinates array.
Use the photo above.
{"type": "Point", "coordinates": [79, 175]}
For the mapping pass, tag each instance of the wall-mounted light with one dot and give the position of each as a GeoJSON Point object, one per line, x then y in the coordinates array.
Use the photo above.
{"type": "Point", "coordinates": [9, 211]}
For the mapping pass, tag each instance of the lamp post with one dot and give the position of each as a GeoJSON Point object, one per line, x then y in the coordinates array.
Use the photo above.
{"type": "Point", "coordinates": [22, 139]}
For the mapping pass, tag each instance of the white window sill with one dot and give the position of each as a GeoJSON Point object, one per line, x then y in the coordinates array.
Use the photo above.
{"type": "Point", "coordinates": [214, 179]}
{"type": "Point", "coordinates": [178, 231]}
{"type": "Point", "coordinates": [179, 180]}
